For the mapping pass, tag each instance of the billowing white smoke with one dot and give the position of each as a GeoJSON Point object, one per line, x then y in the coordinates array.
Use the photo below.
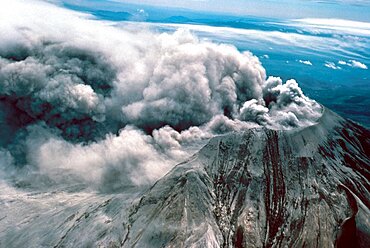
{"type": "Point", "coordinates": [119, 106]}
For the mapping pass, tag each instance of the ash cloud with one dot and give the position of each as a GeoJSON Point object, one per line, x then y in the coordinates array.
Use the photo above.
{"type": "Point", "coordinates": [114, 106]}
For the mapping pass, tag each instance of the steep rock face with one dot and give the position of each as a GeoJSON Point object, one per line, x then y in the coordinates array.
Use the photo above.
{"type": "Point", "coordinates": [263, 188]}
{"type": "Point", "coordinates": [259, 188]}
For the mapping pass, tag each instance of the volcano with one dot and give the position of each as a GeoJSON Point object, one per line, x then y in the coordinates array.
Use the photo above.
{"type": "Point", "coordinates": [306, 187]}
{"type": "Point", "coordinates": [181, 133]}
{"type": "Point", "coordinates": [264, 188]}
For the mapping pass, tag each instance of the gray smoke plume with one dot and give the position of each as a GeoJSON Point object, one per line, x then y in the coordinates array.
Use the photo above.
{"type": "Point", "coordinates": [114, 106]}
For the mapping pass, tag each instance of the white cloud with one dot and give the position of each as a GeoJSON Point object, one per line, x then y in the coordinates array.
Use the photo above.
{"type": "Point", "coordinates": [332, 65]}
{"type": "Point", "coordinates": [339, 26]}
{"type": "Point", "coordinates": [353, 63]}
{"type": "Point", "coordinates": [101, 101]}
{"type": "Point", "coordinates": [332, 44]}
{"type": "Point", "coordinates": [274, 37]}
{"type": "Point", "coordinates": [357, 64]}
{"type": "Point", "coordinates": [306, 62]}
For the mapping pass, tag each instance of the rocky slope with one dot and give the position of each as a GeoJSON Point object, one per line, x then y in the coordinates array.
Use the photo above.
{"type": "Point", "coordinates": [259, 188]}
{"type": "Point", "coordinates": [264, 188]}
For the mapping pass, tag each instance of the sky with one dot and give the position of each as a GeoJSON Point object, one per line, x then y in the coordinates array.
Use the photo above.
{"type": "Point", "coordinates": [342, 9]}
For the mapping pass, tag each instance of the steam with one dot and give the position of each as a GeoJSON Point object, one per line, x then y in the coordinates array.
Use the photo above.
{"type": "Point", "coordinates": [117, 106]}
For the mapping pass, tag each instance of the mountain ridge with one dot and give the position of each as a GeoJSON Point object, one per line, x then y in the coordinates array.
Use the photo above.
{"type": "Point", "coordinates": [257, 188]}
{"type": "Point", "coordinates": [253, 203]}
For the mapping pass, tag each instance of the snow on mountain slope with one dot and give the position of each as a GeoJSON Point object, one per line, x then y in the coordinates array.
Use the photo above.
{"type": "Point", "coordinates": [62, 219]}
{"type": "Point", "coordinates": [264, 188]}
{"type": "Point", "coordinates": [258, 188]}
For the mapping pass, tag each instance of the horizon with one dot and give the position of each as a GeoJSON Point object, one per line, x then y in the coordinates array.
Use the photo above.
{"type": "Point", "coordinates": [286, 9]}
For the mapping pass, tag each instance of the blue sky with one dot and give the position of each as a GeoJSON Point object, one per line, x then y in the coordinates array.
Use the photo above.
{"type": "Point", "coordinates": [342, 9]}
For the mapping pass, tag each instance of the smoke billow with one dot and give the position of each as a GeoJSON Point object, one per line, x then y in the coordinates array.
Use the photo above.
{"type": "Point", "coordinates": [114, 106]}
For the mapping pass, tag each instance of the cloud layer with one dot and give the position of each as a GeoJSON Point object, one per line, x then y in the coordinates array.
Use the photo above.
{"type": "Point", "coordinates": [115, 106]}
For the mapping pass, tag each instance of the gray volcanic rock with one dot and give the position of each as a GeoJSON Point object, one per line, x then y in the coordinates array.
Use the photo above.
{"type": "Point", "coordinates": [264, 188]}
{"type": "Point", "coordinates": [259, 188]}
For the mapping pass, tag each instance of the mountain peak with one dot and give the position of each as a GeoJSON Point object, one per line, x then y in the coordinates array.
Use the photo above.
{"type": "Point", "coordinates": [263, 188]}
